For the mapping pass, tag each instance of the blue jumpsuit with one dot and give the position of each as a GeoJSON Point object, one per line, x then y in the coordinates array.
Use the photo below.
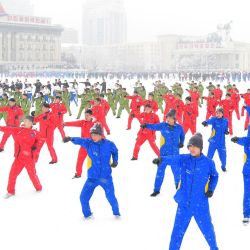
{"type": "Point", "coordinates": [217, 139]}
{"type": "Point", "coordinates": [197, 173]}
{"type": "Point", "coordinates": [247, 108]}
{"type": "Point", "coordinates": [99, 172]}
{"type": "Point", "coordinates": [245, 141]}
{"type": "Point", "coordinates": [173, 137]}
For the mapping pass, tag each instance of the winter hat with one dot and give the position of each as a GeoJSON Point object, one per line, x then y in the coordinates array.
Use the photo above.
{"type": "Point", "coordinates": [196, 140]}
{"type": "Point", "coordinates": [172, 113]}
{"type": "Point", "coordinates": [96, 129]}
{"type": "Point", "coordinates": [220, 109]}
{"type": "Point", "coordinates": [189, 98]}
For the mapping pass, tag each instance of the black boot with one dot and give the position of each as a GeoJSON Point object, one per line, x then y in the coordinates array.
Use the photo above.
{"type": "Point", "coordinates": [1, 149]}
{"type": "Point", "coordinates": [134, 159]}
{"type": "Point", "coordinates": [154, 194]}
{"type": "Point", "coordinates": [76, 176]}
{"type": "Point", "coordinates": [53, 162]}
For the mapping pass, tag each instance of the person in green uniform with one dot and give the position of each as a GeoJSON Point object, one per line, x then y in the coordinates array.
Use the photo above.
{"type": "Point", "coordinates": [25, 104]}
{"type": "Point", "coordinates": [85, 97]}
{"type": "Point", "coordinates": [4, 102]}
{"type": "Point", "coordinates": [111, 101]}
{"type": "Point", "coordinates": [124, 102]}
{"type": "Point", "coordinates": [38, 102]}
{"type": "Point", "coordinates": [66, 99]}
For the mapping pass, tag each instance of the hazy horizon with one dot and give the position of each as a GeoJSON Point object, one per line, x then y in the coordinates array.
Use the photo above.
{"type": "Point", "coordinates": [148, 19]}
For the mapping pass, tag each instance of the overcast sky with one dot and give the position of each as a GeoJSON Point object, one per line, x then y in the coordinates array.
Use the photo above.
{"type": "Point", "coordinates": [149, 18]}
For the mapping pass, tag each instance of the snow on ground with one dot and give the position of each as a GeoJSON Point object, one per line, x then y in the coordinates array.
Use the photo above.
{"type": "Point", "coordinates": [52, 219]}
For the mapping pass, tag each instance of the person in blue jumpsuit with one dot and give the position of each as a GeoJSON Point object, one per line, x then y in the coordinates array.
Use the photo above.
{"type": "Point", "coordinates": [174, 137]}
{"type": "Point", "coordinates": [245, 141]}
{"type": "Point", "coordinates": [217, 138]}
{"type": "Point", "coordinates": [100, 152]}
{"type": "Point", "coordinates": [198, 182]}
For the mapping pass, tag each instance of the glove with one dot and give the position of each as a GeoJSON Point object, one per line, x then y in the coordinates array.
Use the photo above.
{"type": "Point", "coordinates": [226, 132]}
{"type": "Point", "coordinates": [235, 139]}
{"type": "Point", "coordinates": [33, 113]}
{"type": "Point", "coordinates": [59, 113]}
{"type": "Point", "coordinates": [177, 106]}
{"type": "Point", "coordinates": [66, 139]}
{"type": "Point", "coordinates": [188, 113]}
{"type": "Point", "coordinates": [138, 107]}
{"type": "Point", "coordinates": [33, 148]}
{"type": "Point", "coordinates": [133, 115]}
{"type": "Point", "coordinates": [143, 125]}
{"type": "Point", "coordinates": [209, 194]}
{"type": "Point", "coordinates": [16, 117]}
{"type": "Point", "coordinates": [157, 161]}
{"type": "Point", "coordinates": [114, 164]}
{"type": "Point", "coordinates": [204, 124]}
{"type": "Point", "coordinates": [45, 117]}
{"type": "Point", "coordinates": [181, 145]}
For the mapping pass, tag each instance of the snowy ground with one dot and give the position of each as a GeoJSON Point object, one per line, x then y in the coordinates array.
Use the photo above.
{"type": "Point", "coordinates": [52, 219]}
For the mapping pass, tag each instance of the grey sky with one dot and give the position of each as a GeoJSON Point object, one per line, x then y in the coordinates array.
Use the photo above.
{"type": "Point", "coordinates": [149, 18]}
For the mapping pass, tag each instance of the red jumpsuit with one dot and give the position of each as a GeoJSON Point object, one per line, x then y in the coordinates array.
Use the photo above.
{"type": "Point", "coordinates": [152, 103]}
{"type": "Point", "coordinates": [146, 134]}
{"type": "Point", "coordinates": [14, 115]}
{"type": "Point", "coordinates": [47, 124]}
{"type": "Point", "coordinates": [169, 99]}
{"type": "Point", "coordinates": [218, 94]}
{"type": "Point", "coordinates": [105, 105]}
{"type": "Point", "coordinates": [246, 98]}
{"type": "Point", "coordinates": [228, 109]}
{"type": "Point", "coordinates": [189, 118]}
{"type": "Point", "coordinates": [85, 133]}
{"type": "Point", "coordinates": [100, 116]}
{"type": "Point", "coordinates": [211, 106]}
{"type": "Point", "coordinates": [235, 97]}
{"type": "Point", "coordinates": [195, 96]}
{"type": "Point", "coordinates": [25, 156]}
{"type": "Point", "coordinates": [179, 107]}
{"type": "Point", "coordinates": [59, 109]}
{"type": "Point", "coordinates": [135, 107]}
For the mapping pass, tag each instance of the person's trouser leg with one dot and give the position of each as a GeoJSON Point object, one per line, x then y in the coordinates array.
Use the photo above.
{"type": "Point", "coordinates": [204, 222]}
{"type": "Point", "coordinates": [30, 167]}
{"type": "Point", "coordinates": [87, 192]}
{"type": "Point", "coordinates": [223, 157]}
{"type": "Point", "coordinates": [246, 200]}
{"type": "Point", "coordinates": [140, 140]}
{"type": "Point", "coordinates": [182, 220]}
{"type": "Point", "coordinates": [80, 160]}
{"type": "Point", "coordinates": [108, 186]}
{"type": "Point", "coordinates": [160, 176]}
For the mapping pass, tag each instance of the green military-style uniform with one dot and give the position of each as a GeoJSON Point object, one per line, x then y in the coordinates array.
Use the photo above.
{"type": "Point", "coordinates": [85, 99]}
{"type": "Point", "coordinates": [200, 90]}
{"type": "Point", "coordinates": [66, 100]}
{"type": "Point", "coordinates": [111, 102]}
{"type": "Point", "coordinates": [228, 87]}
{"type": "Point", "coordinates": [124, 103]}
{"type": "Point", "coordinates": [38, 101]}
{"type": "Point", "coordinates": [3, 103]}
{"type": "Point", "coordinates": [25, 104]}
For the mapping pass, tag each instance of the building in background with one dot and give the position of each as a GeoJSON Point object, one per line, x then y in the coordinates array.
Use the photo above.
{"type": "Point", "coordinates": [28, 42]}
{"type": "Point", "coordinates": [70, 36]}
{"type": "Point", "coordinates": [104, 23]}
{"type": "Point", "coordinates": [18, 7]}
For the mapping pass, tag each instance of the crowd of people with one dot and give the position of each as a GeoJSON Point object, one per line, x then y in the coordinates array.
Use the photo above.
{"type": "Point", "coordinates": [172, 110]}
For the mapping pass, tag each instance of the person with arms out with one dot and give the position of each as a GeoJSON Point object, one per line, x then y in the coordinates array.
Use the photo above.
{"type": "Point", "coordinates": [100, 152]}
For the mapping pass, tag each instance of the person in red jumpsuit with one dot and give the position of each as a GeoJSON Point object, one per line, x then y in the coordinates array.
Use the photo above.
{"type": "Point", "coordinates": [235, 97]}
{"type": "Point", "coordinates": [14, 116]}
{"type": "Point", "coordinates": [105, 104]}
{"type": "Point", "coordinates": [195, 97]}
{"type": "Point", "coordinates": [246, 98]}
{"type": "Point", "coordinates": [218, 93]}
{"type": "Point", "coordinates": [135, 107]}
{"type": "Point", "coordinates": [212, 103]}
{"type": "Point", "coordinates": [59, 109]}
{"type": "Point", "coordinates": [189, 116]}
{"type": "Point", "coordinates": [98, 111]}
{"type": "Point", "coordinates": [151, 102]}
{"type": "Point", "coordinates": [169, 99]}
{"type": "Point", "coordinates": [85, 126]}
{"type": "Point", "coordinates": [179, 107]}
{"type": "Point", "coordinates": [228, 107]}
{"type": "Point", "coordinates": [28, 141]}
{"type": "Point", "coordinates": [144, 134]}
{"type": "Point", "coordinates": [47, 123]}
